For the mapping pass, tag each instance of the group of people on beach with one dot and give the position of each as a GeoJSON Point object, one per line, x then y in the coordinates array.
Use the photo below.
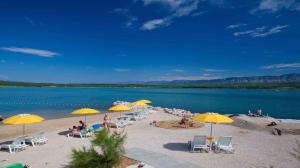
{"type": "Point", "coordinates": [185, 120]}
{"type": "Point", "coordinates": [82, 125]}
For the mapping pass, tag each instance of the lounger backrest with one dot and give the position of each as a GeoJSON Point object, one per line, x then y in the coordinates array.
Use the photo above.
{"type": "Point", "coordinates": [199, 140]}
{"type": "Point", "coordinates": [18, 141]}
{"type": "Point", "coordinates": [225, 140]}
{"type": "Point", "coordinates": [83, 131]}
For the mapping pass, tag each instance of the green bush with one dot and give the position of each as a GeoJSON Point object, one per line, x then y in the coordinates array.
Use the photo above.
{"type": "Point", "coordinates": [112, 149]}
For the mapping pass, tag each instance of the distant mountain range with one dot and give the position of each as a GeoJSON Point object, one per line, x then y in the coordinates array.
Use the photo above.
{"type": "Point", "coordinates": [287, 81]}
{"type": "Point", "coordinates": [293, 78]}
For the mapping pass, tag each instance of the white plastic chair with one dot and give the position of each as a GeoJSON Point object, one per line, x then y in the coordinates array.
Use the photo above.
{"type": "Point", "coordinates": [37, 139]}
{"type": "Point", "coordinates": [199, 142]}
{"type": "Point", "coordinates": [81, 134]}
{"type": "Point", "coordinates": [16, 145]}
{"type": "Point", "coordinates": [224, 143]}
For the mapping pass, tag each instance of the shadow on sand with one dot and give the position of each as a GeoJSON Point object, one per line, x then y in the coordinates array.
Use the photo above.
{"type": "Point", "coordinates": [64, 133]}
{"type": "Point", "coordinates": [177, 147]}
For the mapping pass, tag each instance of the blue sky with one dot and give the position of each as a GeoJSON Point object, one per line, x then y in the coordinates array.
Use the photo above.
{"type": "Point", "coordinates": [144, 40]}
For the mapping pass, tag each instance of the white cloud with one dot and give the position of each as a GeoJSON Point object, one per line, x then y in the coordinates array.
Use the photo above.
{"type": "Point", "coordinates": [234, 26]}
{"type": "Point", "coordinates": [178, 70]}
{"type": "Point", "coordinates": [178, 8]}
{"type": "Point", "coordinates": [273, 30]}
{"type": "Point", "coordinates": [120, 10]}
{"type": "Point", "coordinates": [276, 5]}
{"type": "Point", "coordinates": [171, 4]}
{"type": "Point", "coordinates": [187, 8]}
{"type": "Point", "coordinates": [30, 21]}
{"type": "Point", "coordinates": [156, 23]}
{"type": "Point", "coordinates": [199, 13]}
{"type": "Point", "coordinates": [121, 70]}
{"type": "Point", "coordinates": [282, 66]}
{"type": "Point", "coordinates": [130, 21]}
{"type": "Point", "coordinates": [262, 31]}
{"type": "Point", "coordinates": [207, 74]}
{"type": "Point", "coordinates": [32, 51]}
{"type": "Point", "coordinates": [126, 12]}
{"type": "Point", "coordinates": [250, 32]}
{"type": "Point", "coordinates": [213, 70]}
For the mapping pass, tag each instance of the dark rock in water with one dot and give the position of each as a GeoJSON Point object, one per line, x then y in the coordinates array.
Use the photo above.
{"type": "Point", "coordinates": [272, 124]}
{"type": "Point", "coordinates": [234, 115]}
{"type": "Point", "coordinates": [1, 119]}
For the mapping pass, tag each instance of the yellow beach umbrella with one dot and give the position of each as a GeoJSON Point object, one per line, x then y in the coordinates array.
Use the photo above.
{"type": "Point", "coordinates": [23, 119]}
{"type": "Point", "coordinates": [144, 101]}
{"type": "Point", "coordinates": [212, 118]}
{"type": "Point", "coordinates": [139, 103]}
{"type": "Point", "coordinates": [85, 111]}
{"type": "Point", "coordinates": [120, 108]}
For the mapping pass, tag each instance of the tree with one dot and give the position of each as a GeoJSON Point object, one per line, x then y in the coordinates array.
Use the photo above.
{"type": "Point", "coordinates": [111, 151]}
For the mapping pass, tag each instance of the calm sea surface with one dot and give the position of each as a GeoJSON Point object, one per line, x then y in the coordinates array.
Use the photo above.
{"type": "Point", "coordinates": [59, 102]}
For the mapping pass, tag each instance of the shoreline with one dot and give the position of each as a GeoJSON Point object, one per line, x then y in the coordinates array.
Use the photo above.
{"type": "Point", "coordinates": [56, 117]}
{"type": "Point", "coordinates": [68, 115]}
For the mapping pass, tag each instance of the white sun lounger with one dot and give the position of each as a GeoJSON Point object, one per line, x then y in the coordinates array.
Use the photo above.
{"type": "Point", "coordinates": [16, 145]}
{"type": "Point", "coordinates": [224, 143]}
{"type": "Point", "coordinates": [126, 119]}
{"type": "Point", "coordinates": [120, 124]}
{"type": "Point", "coordinates": [37, 139]}
{"type": "Point", "coordinates": [81, 134]}
{"type": "Point", "coordinates": [199, 142]}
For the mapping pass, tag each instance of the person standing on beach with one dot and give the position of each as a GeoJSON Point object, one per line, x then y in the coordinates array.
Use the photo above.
{"type": "Point", "coordinates": [107, 121]}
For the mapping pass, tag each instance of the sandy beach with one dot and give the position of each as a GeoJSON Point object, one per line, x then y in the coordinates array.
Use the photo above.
{"type": "Point", "coordinates": [254, 146]}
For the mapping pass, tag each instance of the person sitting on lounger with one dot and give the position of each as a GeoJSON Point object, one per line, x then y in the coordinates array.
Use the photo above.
{"type": "Point", "coordinates": [107, 120]}
{"type": "Point", "coordinates": [74, 128]}
{"type": "Point", "coordinates": [82, 125]}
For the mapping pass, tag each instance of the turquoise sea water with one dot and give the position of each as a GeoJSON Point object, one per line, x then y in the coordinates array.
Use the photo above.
{"type": "Point", "coordinates": [59, 102]}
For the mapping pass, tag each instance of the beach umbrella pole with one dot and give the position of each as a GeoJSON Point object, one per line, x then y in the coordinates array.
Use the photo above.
{"type": "Point", "coordinates": [211, 130]}
{"type": "Point", "coordinates": [211, 138]}
{"type": "Point", "coordinates": [23, 130]}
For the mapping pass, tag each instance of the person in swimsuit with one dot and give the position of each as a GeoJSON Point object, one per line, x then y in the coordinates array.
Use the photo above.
{"type": "Point", "coordinates": [106, 121]}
